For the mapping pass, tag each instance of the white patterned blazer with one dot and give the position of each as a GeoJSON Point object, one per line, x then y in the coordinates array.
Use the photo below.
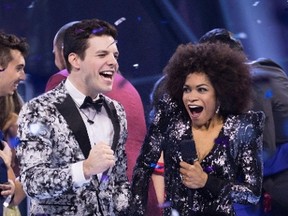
{"type": "Point", "coordinates": [53, 136]}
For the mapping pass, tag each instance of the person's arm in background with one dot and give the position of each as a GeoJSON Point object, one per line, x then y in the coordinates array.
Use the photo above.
{"type": "Point", "coordinates": [158, 180]}
{"type": "Point", "coordinates": [149, 156]}
{"type": "Point", "coordinates": [7, 186]}
{"type": "Point", "coordinates": [158, 174]}
{"type": "Point", "coordinates": [19, 193]}
{"type": "Point", "coordinates": [13, 187]}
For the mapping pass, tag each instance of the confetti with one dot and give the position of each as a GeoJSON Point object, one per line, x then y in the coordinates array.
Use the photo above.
{"type": "Point", "coordinates": [240, 35]}
{"type": "Point", "coordinates": [256, 3]}
{"type": "Point", "coordinates": [268, 94]}
{"type": "Point", "coordinates": [119, 21]}
{"type": "Point", "coordinates": [135, 66]}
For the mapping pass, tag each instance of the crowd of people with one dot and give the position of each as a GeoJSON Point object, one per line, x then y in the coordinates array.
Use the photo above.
{"type": "Point", "coordinates": [215, 142]}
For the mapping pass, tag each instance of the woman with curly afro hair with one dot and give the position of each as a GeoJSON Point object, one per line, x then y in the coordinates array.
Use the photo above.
{"type": "Point", "coordinates": [212, 142]}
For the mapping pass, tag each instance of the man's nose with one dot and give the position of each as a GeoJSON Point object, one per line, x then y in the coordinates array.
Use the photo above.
{"type": "Point", "coordinates": [112, 60]}
{"type": "Point", "coordinates": [22, 75]}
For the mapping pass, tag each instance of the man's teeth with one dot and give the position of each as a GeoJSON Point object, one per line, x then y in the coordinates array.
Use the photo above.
{"type": "Point", "coordinates": [107, 73]}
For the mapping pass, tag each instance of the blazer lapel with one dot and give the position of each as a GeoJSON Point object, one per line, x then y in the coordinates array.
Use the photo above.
{"type": "Point", "coordinates": [112, 114]}
{"type": "Point", "coordinates": [71, 114]}
{"type": "Point", "coordinates": [73, 118]}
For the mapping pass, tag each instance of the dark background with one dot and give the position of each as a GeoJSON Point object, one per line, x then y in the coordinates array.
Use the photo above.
{"type": "Point", "coordinates": [149, 35]}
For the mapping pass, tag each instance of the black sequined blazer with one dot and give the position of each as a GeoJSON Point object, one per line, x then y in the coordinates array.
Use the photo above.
{"type": "Point", "coordinates": [234, 165]}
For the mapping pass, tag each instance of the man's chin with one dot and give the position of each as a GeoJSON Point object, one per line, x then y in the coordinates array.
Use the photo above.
{"type": "Point", "coordinates": [106, 90]}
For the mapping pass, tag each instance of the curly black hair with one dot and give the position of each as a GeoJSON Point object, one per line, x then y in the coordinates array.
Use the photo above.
{"type": "Point", "coordinates": [225, 68]}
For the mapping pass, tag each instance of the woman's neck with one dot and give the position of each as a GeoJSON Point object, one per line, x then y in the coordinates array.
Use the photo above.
{"type": "Point", "coordinates": [215, 121]}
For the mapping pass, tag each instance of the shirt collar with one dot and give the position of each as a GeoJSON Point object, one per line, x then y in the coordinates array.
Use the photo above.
{"type": "Point", "coordinates": [76, 95]}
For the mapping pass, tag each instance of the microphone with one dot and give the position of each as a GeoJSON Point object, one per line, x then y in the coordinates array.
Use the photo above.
{"type": "Point", "coordinates": [8, 201]}
{"type": "Point", "coordinates": [189, 155]}
{"type": "Point", "coordinates": [188, 151]}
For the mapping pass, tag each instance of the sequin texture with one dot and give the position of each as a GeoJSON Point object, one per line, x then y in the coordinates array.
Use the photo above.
{"type": "Point", "coordinates": [234, 164]}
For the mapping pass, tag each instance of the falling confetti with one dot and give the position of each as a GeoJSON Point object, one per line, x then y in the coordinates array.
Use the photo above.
{"type": "Point", "coordinates": [135, 66]}
{"type": "Point", "coordinates": [256, 3]}
{"type": "Point", "coordinates": [119, 21]}
{"type": "Point", "coordinates": [240, 35]}
{"type": "Point", "coordinates": [269, 94]}
{"type": "Point", "coordinates": [32, 4]}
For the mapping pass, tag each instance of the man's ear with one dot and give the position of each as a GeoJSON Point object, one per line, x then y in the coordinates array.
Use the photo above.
{"type": "Point", "coordinates": [73, 59]}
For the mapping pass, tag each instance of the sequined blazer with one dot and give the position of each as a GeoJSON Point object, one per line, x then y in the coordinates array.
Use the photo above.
{"type": "Point", "coordinates": [234, 165]}
{"type": "Point", "coordinates": [53, 136]}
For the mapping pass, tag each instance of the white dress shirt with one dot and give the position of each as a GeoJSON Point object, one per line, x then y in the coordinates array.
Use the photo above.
{"type": "Point", "coordinates": [100, 130]}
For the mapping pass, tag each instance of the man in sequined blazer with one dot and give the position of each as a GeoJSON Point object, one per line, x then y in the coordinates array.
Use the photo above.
{"type": "Point", "coordinates": [72, 154]}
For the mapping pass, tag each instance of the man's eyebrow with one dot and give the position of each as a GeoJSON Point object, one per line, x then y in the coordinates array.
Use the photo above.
{"type": "Point", "coordinates": [115, 41]}
{"type": "Point", "coordinates": [20, 65]}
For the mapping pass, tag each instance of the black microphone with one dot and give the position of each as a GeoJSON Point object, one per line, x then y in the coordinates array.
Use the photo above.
{"type": "Point", "coordinates": [188, 151]}
{"type": "Point", "coordinates": [189, 155]}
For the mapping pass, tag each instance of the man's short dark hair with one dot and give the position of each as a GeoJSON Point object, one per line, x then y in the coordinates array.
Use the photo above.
{"type": "Point", "coordinates": [77, 35]}
{"type": "Point", "coordinates": [10, 42]}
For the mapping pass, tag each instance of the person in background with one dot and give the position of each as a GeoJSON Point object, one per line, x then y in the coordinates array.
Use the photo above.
{"type": "Point", "coordinates": [72, 151]}
{"type": "Point", "coordinates": [157, 176]}
{"type": "Point", "coordinates": [207, 108]}
{"type": "Point", "coordinates": [156, 94]}
{"type": "Point", "coordinates": [122, 91]}
{"type": "Point", "coordinates": [270, 84]}
{"type": "Point", "coordinates": [10, 106]}
{"type": "Point", "coordinates": [59, 60]}
{"type": "Point", "coordinates": [13, 51]}
{"type": "Point", "coordinates": [10, 134]}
